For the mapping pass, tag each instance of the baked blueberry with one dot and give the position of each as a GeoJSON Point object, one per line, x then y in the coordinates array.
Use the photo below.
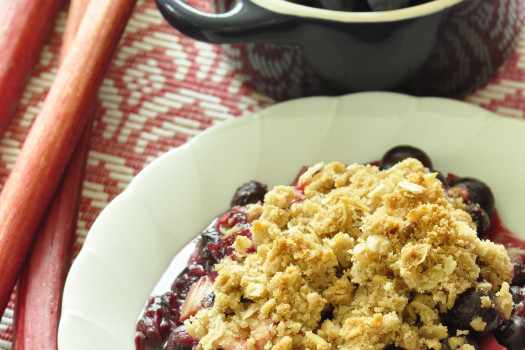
{"type": "Point", "coordinates": [159, 318]}
{"type": "Point", "coordinates": [512, 334]}
{"type": "Point", "coordinates": [518, 294]}
{"type": "Point", "coordinates": [250, 192]}
{"type": "Point", "coordinates": [180, 340]}
{"type": "Point", "coordinates": [479, 217]}
{"type": "Point", "coordinates": [210, 239]}
{"type": "Point", "coordinates": [469, 312]}
{"type": "Point", "coordinates": [399, 153]}
{"type": "Point", "coordinates": [183, 282]}
{"type": "Point", "coordinates": [519, 275]}
{"type": "Point", "coordinates": [476, 192]}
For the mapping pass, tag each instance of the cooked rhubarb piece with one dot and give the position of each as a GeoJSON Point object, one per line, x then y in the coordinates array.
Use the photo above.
{"type": "Point", "coordinates": [200, 295]}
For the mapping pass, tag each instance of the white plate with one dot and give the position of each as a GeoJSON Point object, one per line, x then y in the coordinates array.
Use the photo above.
{"type": "Point", "coordinates": [172, 199]}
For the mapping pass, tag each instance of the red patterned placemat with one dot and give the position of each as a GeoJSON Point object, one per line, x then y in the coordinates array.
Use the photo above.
{"type": "Point", "coordinates": [163, 89]}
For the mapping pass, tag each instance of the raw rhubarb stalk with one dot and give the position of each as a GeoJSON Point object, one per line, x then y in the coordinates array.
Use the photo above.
{"type": "Point", "coordinates": [25, 26]}
{"type": "Point", "coordinates": [76, 11]}
{"type": "Point", "coordinates": [49, 145]}
{"type": "Point", "coordinates": [41, 282]}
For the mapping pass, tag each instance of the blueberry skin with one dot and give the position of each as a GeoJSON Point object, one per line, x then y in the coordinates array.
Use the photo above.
{"type": "Point", "coordinates": [250, 192]}
{"type": "Point", "coordinates": [385, 5]}
{"type": "Point", "coordinates": [401, 152]}
{"type": "Point", "coordinates": [479, 217]}
{"type": "Point", "coordinates": [519, 275]}
{"type": "Point", "coordinates": [512, 335]}
{"type": "Point", "coordinates": [518, 294]}
{"type": "Point", "coordinates": [181, 340]}
{"type": "Point", "coordinates": [468, 307]}
{"type": "Point", "coordinates": [478, 191]}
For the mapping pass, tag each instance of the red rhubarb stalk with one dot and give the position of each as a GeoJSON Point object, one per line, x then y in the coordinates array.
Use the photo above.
{"type": "Point", "coordinates": [41, 282]}
{"type": "Point", "coordinates": [25, 26]}
{"type": "Point", "coordinates": [49, 145]}
{"type": "Point", "coordinates": [76, 11]}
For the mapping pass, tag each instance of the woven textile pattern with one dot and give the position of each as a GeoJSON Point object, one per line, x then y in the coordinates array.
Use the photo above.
{"type": "Point", "coordinates": [161, 90]}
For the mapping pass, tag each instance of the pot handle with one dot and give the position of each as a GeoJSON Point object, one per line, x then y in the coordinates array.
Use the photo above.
{"type": "Point", "coordinates": [246, 22]}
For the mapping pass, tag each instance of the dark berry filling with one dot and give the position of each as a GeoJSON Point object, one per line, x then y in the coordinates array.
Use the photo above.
{"type": "Point", "coordinates": [179, 339]}
{"type": "Point", "coordinates": [512, 333]}
{"type": "Point", "coordinates": [250, 192]}
{"type": "Point", "coordinates": [475, 191]}
{"type": "Point", "coordinates": [468, 308]}
{"type": "Point", "coordinates": [161, 324]}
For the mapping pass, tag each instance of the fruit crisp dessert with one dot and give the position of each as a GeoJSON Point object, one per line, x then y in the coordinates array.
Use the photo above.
{"type": "Point", "coordinates": [388, 255]}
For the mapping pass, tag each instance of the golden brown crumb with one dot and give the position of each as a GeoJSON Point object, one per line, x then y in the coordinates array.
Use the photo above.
{"type": "Point", "coordinates": [504, 300]}
{"type": "Point", "coordinates": [478, 324]}
{"type": "Point", "coordinates": [361, 259]}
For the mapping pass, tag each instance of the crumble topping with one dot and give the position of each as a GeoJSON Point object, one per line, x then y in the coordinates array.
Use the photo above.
{"type": "Point", "coordinates": [352, 258]}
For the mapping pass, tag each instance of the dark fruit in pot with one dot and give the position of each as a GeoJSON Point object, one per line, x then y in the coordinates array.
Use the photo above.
{"type": "Point", "coordinates": [343, 5]}
{"type": "Point", "coordinates": [385, 5]}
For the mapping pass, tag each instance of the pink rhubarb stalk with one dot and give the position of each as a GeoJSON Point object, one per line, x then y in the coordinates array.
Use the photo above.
{"type": "Point", "coordinates": [56, 131]}
{"type": "Point", "coordinates": [41, 282]}
{"type": "Point", "coordinates": [25, 25]}
{"type": "Point", "coordinates": [76, 11]}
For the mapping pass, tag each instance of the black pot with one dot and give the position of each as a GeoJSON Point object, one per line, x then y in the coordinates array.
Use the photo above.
{"type": "Point", "coordinates": [441, 48]}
